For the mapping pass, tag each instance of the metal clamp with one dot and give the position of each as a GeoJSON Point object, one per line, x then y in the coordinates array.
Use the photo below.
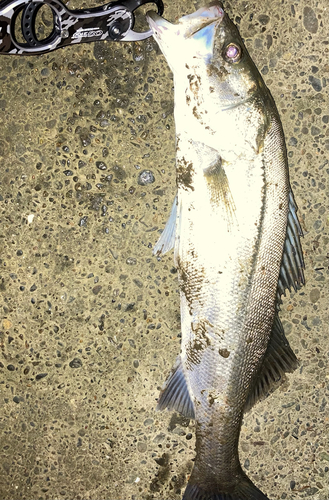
{"type": "Point", "coordinates": [113, 22]}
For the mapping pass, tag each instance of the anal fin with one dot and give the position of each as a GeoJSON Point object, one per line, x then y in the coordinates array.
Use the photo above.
{"type": "Point", "coordinates": [175, 394]}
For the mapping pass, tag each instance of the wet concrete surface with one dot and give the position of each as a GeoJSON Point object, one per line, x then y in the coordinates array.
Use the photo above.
{"type": "Point", "coordinates": [90, 322]}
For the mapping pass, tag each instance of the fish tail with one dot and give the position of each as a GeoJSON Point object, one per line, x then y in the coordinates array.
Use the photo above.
{"type": "Point", "coordinates": [243, 489]}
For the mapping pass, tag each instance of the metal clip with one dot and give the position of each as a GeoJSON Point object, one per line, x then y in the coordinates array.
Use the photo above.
{"type": "Point", "coordinates": [113, 22]}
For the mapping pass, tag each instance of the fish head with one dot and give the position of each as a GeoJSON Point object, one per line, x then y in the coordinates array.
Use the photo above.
{"type": "Point", "coordinates": [191, 38]}
{"type": "Point", "coordinates": [231, 71]}
{"type": "Point", "coordinates": [207, 44]}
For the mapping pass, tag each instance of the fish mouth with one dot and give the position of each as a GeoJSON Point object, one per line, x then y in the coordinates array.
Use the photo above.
{"type": "Point", "coordinates": [156, 22]}
{"type": "Point", "coordinates": [188, 25]}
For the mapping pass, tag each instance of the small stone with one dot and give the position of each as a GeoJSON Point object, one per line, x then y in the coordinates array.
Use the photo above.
{"type": "Point", "coordinates": [130, 307]}
{"type": "Point", "coordinates": [97, 289]}
{"type": "Point", "coordinates": [159, 437]}
{"type": "Point", "coordinates": [316, 83]}
{"type": "Point", "coordinates": [141, 447]}
{"type": "Point", "coordinates": [274, 438]}
{"type": "Point", "coordinates": [7, 324]}
{"type": "Point", "coordinates": [75, 363]}
{"type": "Point", "coordinates": [119, 173]}
{"type": "Point", "coordinates": [83, 221]}
{"type": "Point", "coordinates": [263, 19]}
{"type": "Point", "coordinates": [315, 130]}
{"type": "Point", "coordinates": [85, 139]}
{"type": "Point", "coordinates": [101, 165]}
{"type": "Point", "coordinates": [41, 375]}
{"type": "Point", "coordinates": [145, 177]}
{"type": "Point", "coordinates": [292, 141]}
{"type": "Point", "coordinates": [138, 283]}
{"type": "Point", "coordinates": [138, 52]}
{"type": "Point", "coordinates": [51, 124]}
{"type": "Point", "coordinates": [314, 295]}
{"type": "Point", "coordinates": [131, 261]}
{"type": "Point", "coordinates": [310, 20]}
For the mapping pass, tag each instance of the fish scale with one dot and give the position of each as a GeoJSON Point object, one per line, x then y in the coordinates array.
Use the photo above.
{"type": "Point", "coordinates": [234, 229]}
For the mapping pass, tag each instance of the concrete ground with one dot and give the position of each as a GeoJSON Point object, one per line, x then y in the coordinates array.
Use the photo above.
{"type": "Point", "coordinates": [89, 319]}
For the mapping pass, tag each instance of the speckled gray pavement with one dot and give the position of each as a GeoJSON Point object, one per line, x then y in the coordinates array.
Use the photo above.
{"type": "Point", "coordinates": [90, 321]}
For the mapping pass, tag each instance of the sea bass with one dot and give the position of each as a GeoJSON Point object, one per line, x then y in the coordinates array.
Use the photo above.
{"type": "Point", "coordinates": [236, 238]}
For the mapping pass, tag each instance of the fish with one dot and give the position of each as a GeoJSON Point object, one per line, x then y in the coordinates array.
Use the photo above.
{"type": "Point", "coordinates": [236, 239]}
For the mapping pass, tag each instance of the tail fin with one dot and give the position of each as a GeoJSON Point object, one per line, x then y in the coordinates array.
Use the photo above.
{"type": "Point", "coordinates": [244, 489]}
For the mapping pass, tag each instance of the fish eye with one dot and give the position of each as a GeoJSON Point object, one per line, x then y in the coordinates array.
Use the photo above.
{"type": "Point", "coordinates": [232, 53]}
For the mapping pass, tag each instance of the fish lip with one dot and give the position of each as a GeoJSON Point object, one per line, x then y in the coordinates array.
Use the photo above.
{"type": "Point", "coordinates": [152, 16]}
{"type": "Point", "coordinates": [158, 23]}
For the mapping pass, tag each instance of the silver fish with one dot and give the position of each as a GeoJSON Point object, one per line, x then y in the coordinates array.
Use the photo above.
{"type": "Point", "coordinates": [236, 237]}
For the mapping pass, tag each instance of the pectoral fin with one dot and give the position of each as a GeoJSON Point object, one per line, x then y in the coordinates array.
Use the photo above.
{"type": "Point", "coordinates": [219, 188]}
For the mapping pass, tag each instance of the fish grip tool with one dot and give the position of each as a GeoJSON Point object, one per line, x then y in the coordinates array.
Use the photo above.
{"type": "Point", "coordinates": [112, 22]}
